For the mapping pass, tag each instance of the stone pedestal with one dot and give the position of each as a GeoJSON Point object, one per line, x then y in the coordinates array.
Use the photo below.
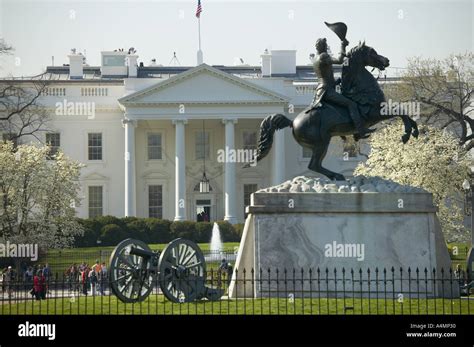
{"type": "Point", "coordinates": [310, 237]}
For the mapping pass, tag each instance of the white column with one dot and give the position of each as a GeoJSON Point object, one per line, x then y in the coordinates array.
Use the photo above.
{"type": "Point", "coordinates": [180, 170]}
{"type": "Point", "coordinates": [230, 195]}
{"type": "Point", "coordinates": [129, 156]}
{"type": "Point", "coordinates": [278, 157]}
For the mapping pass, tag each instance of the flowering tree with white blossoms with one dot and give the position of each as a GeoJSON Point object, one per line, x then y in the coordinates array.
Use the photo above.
{"type": "Point", "coordinates": [38, 193]}
{"type": "Point", "coordinates": [435, 161]}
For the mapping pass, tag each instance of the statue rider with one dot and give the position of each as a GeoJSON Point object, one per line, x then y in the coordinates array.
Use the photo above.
{"type": "Point", "coordinates": [326, 90]}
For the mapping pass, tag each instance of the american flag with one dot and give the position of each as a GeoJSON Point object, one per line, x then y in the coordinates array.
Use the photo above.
{"type": "Point", "coordinates": [199, 9]}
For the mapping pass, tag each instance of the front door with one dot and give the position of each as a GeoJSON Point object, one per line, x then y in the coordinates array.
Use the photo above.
{"type": "Point", "coordinates": [203, 210]}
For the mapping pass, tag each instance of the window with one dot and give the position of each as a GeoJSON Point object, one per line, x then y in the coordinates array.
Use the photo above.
{"type": "Point", "coordinates": [95, 146]}
{"type": "Point", "coordinates": [54, 141]}
{"type": "Point", "coordinates": [155, 201]}
{"type": "Point", "coordinates": [248, 190]}
{"type": "Point", "coordinates": [154, 146]}
{"type": "Point", "coordinates": [202, 145]}
{"type": "Point", "coordinates": [307, 152]}
{"type": "Point", "coordinates": [10, 137]}
{"type": "Point", "coordinates": [95, 201]}
{"type": "Point", "coordinates": [250, 140]}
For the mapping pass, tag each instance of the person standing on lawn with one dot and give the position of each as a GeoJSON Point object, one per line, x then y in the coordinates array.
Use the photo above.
{"type": "Point", "coordinates": [39, 289]}
{"type": "Point", "coordinates": [103, 278]}
{"type": "Point", "coordinates": [84, 279]}
{"type": "Point", "coordinates": [8, 281]}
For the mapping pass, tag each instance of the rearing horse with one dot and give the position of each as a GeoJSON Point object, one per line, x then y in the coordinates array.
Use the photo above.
{"type": "Point", "coordinates": [315, 129]}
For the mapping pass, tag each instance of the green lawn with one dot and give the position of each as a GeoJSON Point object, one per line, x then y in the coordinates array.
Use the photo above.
{"type": "Point", "coordinates": [157, 304]}
{"type": "Point", "coordinates": [458, 252]}
{"type": "Point", "coordinates": [60, 260]}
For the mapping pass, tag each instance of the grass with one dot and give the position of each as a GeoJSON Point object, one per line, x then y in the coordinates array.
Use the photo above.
{"type": "Point", "coordinates": [458, 253]}
{"type": "Point", "coordinates": [60, 260]}
{"type": "Point", "coordinates": [158, 304]}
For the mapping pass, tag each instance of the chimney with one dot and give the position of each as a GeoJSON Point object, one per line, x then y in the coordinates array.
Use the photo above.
{"type": "Point", "coordinates": [76, 61]}
{"type": "Point", "coordinates": [113, 63]}
{"type": "Point", "coordinates": [132, 65]}
{"type": "Point", "coordinates": [283, 62]}
{"type": "Point", "coordinates": [266, 64]}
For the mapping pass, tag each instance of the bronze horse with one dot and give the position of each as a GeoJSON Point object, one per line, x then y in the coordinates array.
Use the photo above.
{"type": "Point", "coordinates": [315, 129]}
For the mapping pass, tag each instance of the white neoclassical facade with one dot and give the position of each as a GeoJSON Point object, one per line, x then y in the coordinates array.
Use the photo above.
{"type": "Point", "coordinates": [146, 134]}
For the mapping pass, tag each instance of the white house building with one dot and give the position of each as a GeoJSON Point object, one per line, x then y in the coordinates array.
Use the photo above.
{"type": "Point", "coordinates": [146, 134]}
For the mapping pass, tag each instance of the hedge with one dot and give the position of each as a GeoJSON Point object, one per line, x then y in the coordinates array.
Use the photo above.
{"type": "Point", "coordinates": [110, 230]}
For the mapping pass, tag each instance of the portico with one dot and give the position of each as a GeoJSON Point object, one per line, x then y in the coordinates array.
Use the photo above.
{"type": "Point", "coordinates": [181, 103]}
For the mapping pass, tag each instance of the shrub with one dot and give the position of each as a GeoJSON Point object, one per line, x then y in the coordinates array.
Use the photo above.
{"type": "Point", "coordinates": [238, 231]}
{"type": "Point", "coordinates": [151, 230]}
{"type": "Point", "coordinates": [91, 233]}
{"type": "Point", "coordinates": [159, 230]}
{"type": "Point", "coordinates": [138, 229]}
{"type": "Point", "coordinates": [227, 231]}
{"type": "Point", "coordinates": [112, 234]}
{"type": "Point", "coordinates": [105, 220]}
{"type": "Point", "coordinates": [203, 231]}
{"type": "Point", "coordinates": [185, 229]}
{"type": "Point", "coordinates": [126, 220]}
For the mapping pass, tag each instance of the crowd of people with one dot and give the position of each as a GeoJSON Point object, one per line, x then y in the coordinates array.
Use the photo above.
{"type": "Point", "coordinates": [36, 276]}
{"type": "Point", "coordinates": [80, 278]}
{"type": "Point", "coordinates": [83, 278]}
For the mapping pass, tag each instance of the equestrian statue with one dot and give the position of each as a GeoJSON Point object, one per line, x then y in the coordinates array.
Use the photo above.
{"type": "Point", "coordinates": [343, 107]}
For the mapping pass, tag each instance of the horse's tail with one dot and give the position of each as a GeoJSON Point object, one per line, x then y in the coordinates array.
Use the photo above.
{"type": "Point", "coordinates": [267, 128]}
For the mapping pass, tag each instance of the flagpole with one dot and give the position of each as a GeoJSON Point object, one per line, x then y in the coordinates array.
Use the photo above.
{"type": "Point", "coordinates": [200, 59]}
{"type": "Point", "coordinates": [199, 31]}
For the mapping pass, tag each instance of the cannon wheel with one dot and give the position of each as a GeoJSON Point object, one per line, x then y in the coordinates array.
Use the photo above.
{"type": "Point", "coordinates": [131, 276]}
{"type": "Point", "coordinates": [182, 269]}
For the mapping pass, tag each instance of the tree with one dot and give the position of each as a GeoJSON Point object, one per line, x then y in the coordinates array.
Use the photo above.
{"type": "Point", "coordinates": [21, 113]}
{"type": "Point", "coordinates": [434, 161]}
{"type": "Point", "coordinates": [5, 48]}
{"type": "Point", "coordinates": [445, 90]}
{"type": "Point", "coordinates": [37, 196]}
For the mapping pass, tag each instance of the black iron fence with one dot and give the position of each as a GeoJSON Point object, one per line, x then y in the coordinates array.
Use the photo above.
{"type": "Point", "coordinates": [263, 291]}
{"type": "Point", "coordinates": [60, 261]}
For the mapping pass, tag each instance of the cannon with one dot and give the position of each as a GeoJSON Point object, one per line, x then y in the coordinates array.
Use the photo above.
{"type": "Point", "coordinates": [179, 271]}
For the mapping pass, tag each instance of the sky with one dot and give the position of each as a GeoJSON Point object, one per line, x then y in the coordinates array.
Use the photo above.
{"type": "Point", "coordinates": [230, 29]}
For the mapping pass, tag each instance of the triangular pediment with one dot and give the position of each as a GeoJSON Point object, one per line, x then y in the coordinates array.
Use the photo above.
{"type": "Point", "coordinates": [203, 85]}
{"type": "Point", "coordinates": [153, 174]}
{"type": "Point", "coordinates": [94, 176]}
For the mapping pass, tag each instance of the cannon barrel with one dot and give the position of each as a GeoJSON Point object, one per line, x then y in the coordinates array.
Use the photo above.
{"type": "Point", "coordinates": [142, 252]}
